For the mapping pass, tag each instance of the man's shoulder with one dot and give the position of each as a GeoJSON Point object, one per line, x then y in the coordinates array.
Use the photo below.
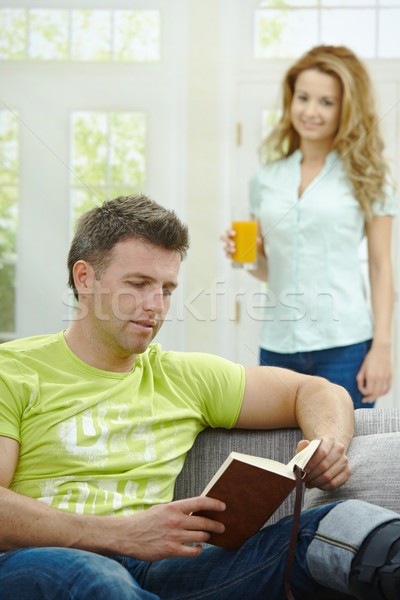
{"type": "Point", "coordinates": [215, 385]}
{"type": "Point", "coordinates": [22, 360]}
{"type": "Point", "coordinates": [175, 360]}
{"type": "Point", "coordinates": [29, 344]}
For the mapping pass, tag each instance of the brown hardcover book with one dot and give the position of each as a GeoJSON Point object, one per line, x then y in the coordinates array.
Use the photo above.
{"type": "Point", "coordinates": [252, 489]}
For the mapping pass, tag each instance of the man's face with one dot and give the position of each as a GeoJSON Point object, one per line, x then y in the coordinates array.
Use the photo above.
{"type": "Point", "coordinates": [131, 298]}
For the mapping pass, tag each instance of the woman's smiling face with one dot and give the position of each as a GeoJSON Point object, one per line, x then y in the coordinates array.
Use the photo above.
{"type": "Point", "coordinates": [316, 106]}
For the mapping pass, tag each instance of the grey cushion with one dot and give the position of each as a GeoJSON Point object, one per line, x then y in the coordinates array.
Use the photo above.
{"type": "Point", "coordinates": [376, 420]}
{"type": "Point", "coordinates": [374, 461]}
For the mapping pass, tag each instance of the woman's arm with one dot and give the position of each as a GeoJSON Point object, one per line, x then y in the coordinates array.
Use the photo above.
{"type": "Point", "coordinates": [375, 376]}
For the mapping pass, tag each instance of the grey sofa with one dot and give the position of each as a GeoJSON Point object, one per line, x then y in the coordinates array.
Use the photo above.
{"type": "Point", "coordinates": [373, 456]}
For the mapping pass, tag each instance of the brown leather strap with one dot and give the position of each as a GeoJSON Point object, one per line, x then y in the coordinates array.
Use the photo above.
{"type": "Point", "coordinates": [300, 474]}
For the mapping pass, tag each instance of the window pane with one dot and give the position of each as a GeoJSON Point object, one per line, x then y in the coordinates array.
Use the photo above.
{"type": "Point", "coordinates": [338, 27]}
{"type": "Point", "coordinates": [48, 34]}
{"type": "Point", "coordinates": [91, 35]}
{"type": "Point", "coordinates": [114, 192]}
{"type": "Point", "coordinates": [127, 149]}
{"type": "Point", "coordinates": [8, 148]}
{"type": "Point", "coordinates": [89, 148]}
{"type": "Point", "coordinates": [8, 222]}
{"type": "Point", "coordinates": [269, 119]}
{"type": "Point", "coordinates": [8, 184]}
{"type": "Point", "coordinates": [97, 35]}
{"type": "Point", "coordinates": [13, 24]}
{"type": "Point", "coordinates": [348, 3]}
{"type": "Point", "coordinates": [388, 34]}
{"type": "Point", "coordinates": [280, 33]}
{"type": "Point", "coordinates": [137, 35]}
{"type": "Point", "coordinates": [8, 217]}
{"type": "Point", "coordinates": [82, 200]}
{"type": "Point", "coordinates": [7, 297]}
{"type": "Point", "coordinates": [8, 235]}
{"type": "Point", "coordinates": [108, 157]}
{"type": "Point", "coordinates": [286, 3]}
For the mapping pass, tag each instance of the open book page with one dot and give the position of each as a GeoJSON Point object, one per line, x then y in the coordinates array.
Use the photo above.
{"type": "Point", "coordinates": [300, 459]}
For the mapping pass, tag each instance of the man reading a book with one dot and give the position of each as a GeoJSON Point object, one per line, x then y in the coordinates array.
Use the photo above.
{"type": "Point", "coordinates": [95, 422]}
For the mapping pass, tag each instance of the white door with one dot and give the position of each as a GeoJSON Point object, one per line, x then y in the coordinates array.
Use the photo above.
{"type": "Point", "coordinates": [257, 102]}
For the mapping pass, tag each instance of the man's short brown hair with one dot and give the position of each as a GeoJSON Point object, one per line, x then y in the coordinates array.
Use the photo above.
{"type": "Point", "coordinates": [138, 217]}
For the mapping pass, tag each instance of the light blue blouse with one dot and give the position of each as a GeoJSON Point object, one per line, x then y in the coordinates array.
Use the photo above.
{"type": "Point", "coordinates": [316, 296]}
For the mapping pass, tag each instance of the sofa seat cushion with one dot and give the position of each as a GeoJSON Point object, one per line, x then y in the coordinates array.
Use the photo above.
{"type": "Point", "coordinates": [374, 461]}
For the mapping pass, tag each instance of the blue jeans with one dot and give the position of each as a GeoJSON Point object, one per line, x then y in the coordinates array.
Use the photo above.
{"type": "Point", "coordinates": [328, 539]}
{"type": "Point", "coordinates": [338, 365]}
{"type": "Point", "coordinates": [217, 574]}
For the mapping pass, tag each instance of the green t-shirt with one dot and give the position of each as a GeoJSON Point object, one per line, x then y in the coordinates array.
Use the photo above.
{"type": "Point", "coordinates": [100, 442]}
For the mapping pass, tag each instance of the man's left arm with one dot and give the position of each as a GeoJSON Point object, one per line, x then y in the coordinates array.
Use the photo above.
{"type": "Point", "coordinates": [275, 398]}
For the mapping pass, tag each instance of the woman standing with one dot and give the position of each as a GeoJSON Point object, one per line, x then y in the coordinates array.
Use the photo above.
{"type": "Point", "coordinates": [323, 186]}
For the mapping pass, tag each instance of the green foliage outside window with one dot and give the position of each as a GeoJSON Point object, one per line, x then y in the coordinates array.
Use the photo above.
{"type": "Point", "coordinates": [8, 217]}
{"type": "Point", "coordinates": [138, 35]}
{"type": "Point", "coordinates": [91, 35]}
{"type": "Point", "coordinates": [287, 28]}
{"type": "Point", "coordinates": [80, 35]}
{"type": "Point", "coordinates": [8, 184]}
{"type": "Point", "coordinates": [7, 298]}
{"type": "Point", "coordinates": [13, 27]}
{"type": "Point", "coordinates": [269, 30]}
{"type": "Point", "coordinates": [48, 38]}
{"type": "Point", "coordinates": [108, 157]}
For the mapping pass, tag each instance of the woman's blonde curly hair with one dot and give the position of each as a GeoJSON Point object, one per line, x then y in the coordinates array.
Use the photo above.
{"type": "Point", "coordinates": [358, 140]}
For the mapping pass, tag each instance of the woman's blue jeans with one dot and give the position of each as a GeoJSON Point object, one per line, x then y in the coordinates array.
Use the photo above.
{"type": "Point", "coordinates": [255, 571]}
{"type": "Point", "coordinates": [338, 365]}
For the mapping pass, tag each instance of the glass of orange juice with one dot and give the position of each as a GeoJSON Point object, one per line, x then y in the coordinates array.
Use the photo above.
{"type": "Point", "coordinates": [245, 254]}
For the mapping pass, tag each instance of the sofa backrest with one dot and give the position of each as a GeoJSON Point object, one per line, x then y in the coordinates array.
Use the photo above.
{"type": "Point", "coordinates": [213, 446]}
